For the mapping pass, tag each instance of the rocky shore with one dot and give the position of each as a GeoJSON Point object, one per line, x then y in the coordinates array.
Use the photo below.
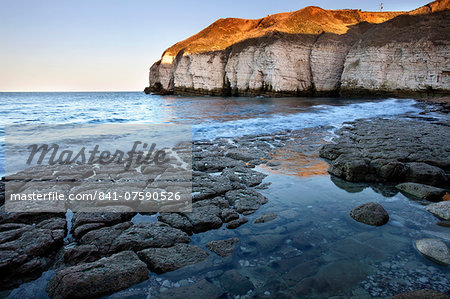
{"type": "Point", "coordinates": [103, 253]}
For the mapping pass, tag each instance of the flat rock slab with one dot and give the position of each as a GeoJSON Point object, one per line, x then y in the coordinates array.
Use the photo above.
{"type": "Point", "coordinates": [440, 209]}
{"type": "Point", "coordinates": [435, 250]}
{"type": "Point", "coordinates": [422, 191]}
{"type": "Point", "coordinates": [223, 248]}
{"type": "Point", "coordinates": [370, 213]}
{"type": "Point", "coordinates": [266, 217]}
{"type": "Point", "coordinates": [27, 250]}
{"type": "Point", "coordinates": [103, 277]}
{"type": "Point", "coordinates": [162, 260]}
{"type": "Point", "coordinates": [126, 236]}
{"type": "Point", "coordinates": [390, 150]}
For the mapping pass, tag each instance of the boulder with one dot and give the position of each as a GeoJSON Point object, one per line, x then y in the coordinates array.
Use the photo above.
{"type": "Point", "coordinates": [440, 209]}
{"type": "Point", "coordinates": [162, 260]}
{"type": "Point", "coordinates": [422, 191]}
{"type": "Point", "coordinates": [370, 213]}
{"type": "Point", "coordinates": [223, 248]}
{"type": "Point", "coordinates": [435, 250]}
{"type": "Point", "coordinates": [100, 278]}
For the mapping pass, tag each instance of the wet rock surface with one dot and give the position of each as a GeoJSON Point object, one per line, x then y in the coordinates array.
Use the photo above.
{"type": "Point", "coordinates": [99, 278]}
{"type": "Point", "coordinates": [435, 250]}
{"type": "Point", "coordinates": [31, 243]}
{"type": "Point", "coordinates": [422, 191]}
{"type": "Point", "coordinates": [266, 217]}
{"type": "Point", "coordinates": [391, 150]}
{"type": "Point", "coordinates": [440, 209]}
{"type": "Point", "coordinates": [370, 213]}
{"type": "Point", "coordinates": [223, 248]}
{"type": "Point", "coordinates": [28, 250]}
{"type": "Point", "coordinates": [161, 260]}
{"type": "Point", "coordinates": [421, 294]}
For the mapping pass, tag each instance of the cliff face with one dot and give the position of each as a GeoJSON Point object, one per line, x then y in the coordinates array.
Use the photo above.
{"type": "Point", "coordinates": [312, 52]}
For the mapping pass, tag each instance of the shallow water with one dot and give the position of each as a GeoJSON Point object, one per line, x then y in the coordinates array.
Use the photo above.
{"type": "Point", "coordinates": [314, 248]}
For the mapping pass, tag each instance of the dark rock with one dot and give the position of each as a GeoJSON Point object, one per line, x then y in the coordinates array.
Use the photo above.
{"type": "Point", "coordinates": [235, 283]}
{"type": "Point", "coordinates": [422, 191]}
{"type": "Point", "coordinates": [245, 154]}
{"type": "Point", "coordinates": [421, 294]}
{"type": "Point", "coordinates": [84, 221]}
{"type": "Point", "coordinates": [201, 289]}
{"type": "Point", "coordinates": [223, 248]}
{"type": "Point", "coordinates": [148, 235]}
{"type": "Point", "coordinates": [177, 221]}
{"type": "Point", "coordinates": [386, 150]}
{"type": "Point", "coordinates": [427, 174]}
{"type": "Point", "coordinates": [228, 215]}
{"type": "Point", "coordinates": [27, 250]}
{"type": "Point", "coordinates": [81, 254]}
{"type": "Point", "coordinates": [204, 218]}
{"type": "Point", "coordinates": [162, 260]}
{"type": "Point", "coordinates": [104, 237]}
{"type": "Point", "coordinates": [370, 213]}
{"type": "Point", "coordinates": [266, 217]}
{"type": "Point", "coordinates": [245, 201]}
{"type": "Point", "coordinates": [103, 277]}
{"type": "Point", "coordinates": [236, 223]}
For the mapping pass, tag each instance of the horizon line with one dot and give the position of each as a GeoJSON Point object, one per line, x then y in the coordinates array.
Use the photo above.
{"type": "Point", "coordinates": [44, 91]}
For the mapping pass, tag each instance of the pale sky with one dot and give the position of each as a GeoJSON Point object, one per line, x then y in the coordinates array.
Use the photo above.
{"type": "Point", "coordinates": [109, 45]}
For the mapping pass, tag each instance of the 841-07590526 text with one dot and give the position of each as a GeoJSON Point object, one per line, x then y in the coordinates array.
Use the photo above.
{"type": "Point", "coordinates": [99, 196]}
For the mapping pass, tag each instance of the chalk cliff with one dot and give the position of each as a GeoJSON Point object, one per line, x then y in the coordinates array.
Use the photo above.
{"type": "Point", "coordinates": [313, 52]}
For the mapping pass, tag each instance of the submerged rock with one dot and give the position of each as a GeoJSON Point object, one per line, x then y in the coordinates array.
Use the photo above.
{"type": "Point", "coordinates": [201, 289]}
{"type": "Point", "coordinates": [236, 223]}
{"type": "Point", "coordinates": [370, 213]}
{"type": "Point", "coordinates": [440, 209]}
{"type": "Point", "coordinates": [235, 283]}
{"type": "Point", "coordinates": [103, 277]}
{"type": "Point", "coordinates": [435, 250]}
{"type": "Point", "coordinates": [223, 248]}
{"type": "Point", "coordinates": [422, 191]}
{"type": "Point", "coordinates": [266, 217]}
{"type": "Point", "coordinates": [162, 260]}
{"type": "Point", "coordinates": [421, 294]}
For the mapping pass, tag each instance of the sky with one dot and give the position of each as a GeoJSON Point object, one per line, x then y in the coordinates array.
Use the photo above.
{"type": "Point", "coordinates": [109, 45]}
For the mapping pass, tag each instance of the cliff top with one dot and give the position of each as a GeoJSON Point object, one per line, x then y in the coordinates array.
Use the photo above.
{"type": "Point", "coordinates": [309, 20]}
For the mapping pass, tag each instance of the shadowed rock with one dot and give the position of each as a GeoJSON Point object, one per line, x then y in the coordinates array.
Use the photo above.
{"type": "Point", "coordinates": [103, 277]}
{"type": "Point", "coordinates": [162, 260]}
{"type": "Point", "coordinates": [223, 248]}
{"type": "Point", "coordinates": [370, 213]}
